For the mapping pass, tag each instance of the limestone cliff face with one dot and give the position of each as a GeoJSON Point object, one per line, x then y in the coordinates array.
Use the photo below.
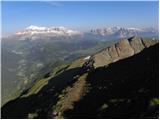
{"type": "Point", "coordinates": [123, 49]}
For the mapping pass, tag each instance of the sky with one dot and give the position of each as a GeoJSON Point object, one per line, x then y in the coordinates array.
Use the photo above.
{"type": "Point", "coordinates": [78, 15]}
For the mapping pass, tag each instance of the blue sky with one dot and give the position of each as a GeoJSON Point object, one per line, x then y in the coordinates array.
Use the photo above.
{"type": "Point", "coordinates": [78, 15]}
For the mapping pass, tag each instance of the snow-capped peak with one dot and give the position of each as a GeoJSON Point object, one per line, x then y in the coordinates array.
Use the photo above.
{"type": "Point", "coordinates": [54, 31]}
{"type": "Point", "coordinates": [62, 28]}
{"type": "Point", "coordinates": [32, 27]}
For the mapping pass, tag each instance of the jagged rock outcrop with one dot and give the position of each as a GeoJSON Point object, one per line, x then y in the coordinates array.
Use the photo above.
{"type": "Point", "coordinates": [123, 49]}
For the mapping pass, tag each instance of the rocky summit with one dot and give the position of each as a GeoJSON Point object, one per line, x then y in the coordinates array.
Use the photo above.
{"type": "Point", "coordinates": [123, 49]}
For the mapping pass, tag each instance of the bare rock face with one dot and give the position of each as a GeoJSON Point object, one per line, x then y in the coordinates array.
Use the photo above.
{"type": "Point", "coordinates": [123, 49]}
{"type": "Point", "coordinates": [137, 44]}
{"type": "Point", "coordinates": [148, 43]}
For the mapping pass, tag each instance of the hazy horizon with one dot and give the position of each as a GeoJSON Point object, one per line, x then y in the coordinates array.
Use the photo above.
{"type": "Point", "coordinates": [80, 16]}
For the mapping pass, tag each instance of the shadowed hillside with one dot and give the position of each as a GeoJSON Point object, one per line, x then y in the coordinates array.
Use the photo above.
{"type": "Point", "coordinates": [127, 88]}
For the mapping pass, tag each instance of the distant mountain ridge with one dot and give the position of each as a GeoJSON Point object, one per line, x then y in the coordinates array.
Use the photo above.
{"type": "Point", "coordinates": [47, 30]}
{"type": "Point", "coordinates": [62, 33]}
{"type": "Point", "coordinates": [112, 33]}
{"type": "Point", "coordinates": [122, 30]}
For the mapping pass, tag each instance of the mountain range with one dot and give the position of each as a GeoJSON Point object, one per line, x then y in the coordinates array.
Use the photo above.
{"type": "Point", "coordinates": [54, 31]}
{"type": "Point", "coordinates": [62, 33]}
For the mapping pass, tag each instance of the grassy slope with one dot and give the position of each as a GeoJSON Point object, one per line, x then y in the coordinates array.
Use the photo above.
{"type": "Point", "coordinates": [31, 103]}
{"type": "Point", "coordinates": [42, 82]}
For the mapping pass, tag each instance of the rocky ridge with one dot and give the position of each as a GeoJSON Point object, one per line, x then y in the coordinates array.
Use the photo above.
{"type": "Point", "coordinates": [123, 49]}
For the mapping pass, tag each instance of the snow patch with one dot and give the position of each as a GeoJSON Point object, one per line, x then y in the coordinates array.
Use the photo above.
{"type": "Point", "coordinates": [86, 58]}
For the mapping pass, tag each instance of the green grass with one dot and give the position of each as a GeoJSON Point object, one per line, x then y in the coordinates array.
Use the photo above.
{"type": "Point", "coordinates": [10, 97]}
{"type": "Point", "coordinates": [38, 85]}
{"type": "Point", "coordinates": [77, 63]}
{"type": "Point", "coordinates": [154, 101]}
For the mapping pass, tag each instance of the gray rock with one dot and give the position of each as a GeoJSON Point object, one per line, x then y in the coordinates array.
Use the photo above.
{"type": "Point", "coordinates": [123, 49]}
